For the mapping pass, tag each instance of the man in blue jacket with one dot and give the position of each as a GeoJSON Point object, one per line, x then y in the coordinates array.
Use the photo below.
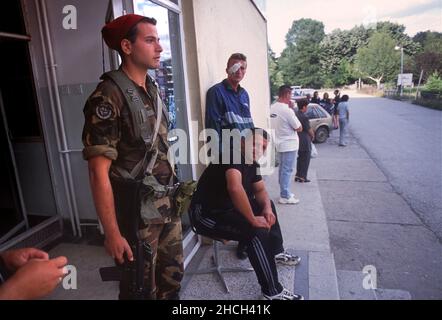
{"type": "Point", "coordinates": [227, 103]}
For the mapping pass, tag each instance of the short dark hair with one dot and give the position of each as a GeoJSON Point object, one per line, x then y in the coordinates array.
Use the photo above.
{"type": "Point", "coordinates": [236, 56]}
{"type": "Point", "coordinates": [283, 90]}
{"type": "Point", "coordinates": [345, 98]}
{"type": "Point", "coordinates": [254, 131]}
{"type": "Point", "coordinates": [302, 103]}
{"type": "Point", "coordinates": [133, 31]}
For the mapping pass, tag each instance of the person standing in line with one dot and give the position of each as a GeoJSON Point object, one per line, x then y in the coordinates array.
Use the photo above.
{"type": "Point", "coordinates": [315, 98]}
{"type": "Point", "coordinates": [336, 101]}
{"type": "Point", "coordinates": [344, 119]}
{"type": "Point", "coordinates": [306, 137]}
{"type": "Point", "coordinates": [327, 104]}
{"type": "Point", "coordinates": [286, 125]}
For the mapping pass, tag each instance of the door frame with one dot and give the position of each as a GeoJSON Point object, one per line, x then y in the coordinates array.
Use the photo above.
{"type": "Point", "coordinates": [21, 202]}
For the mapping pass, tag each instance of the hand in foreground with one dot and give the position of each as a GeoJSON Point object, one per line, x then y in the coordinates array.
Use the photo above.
{"type": "Point", "coordinates": [15, 259]}
{"type": "Point", "coordinates": [36, 279]}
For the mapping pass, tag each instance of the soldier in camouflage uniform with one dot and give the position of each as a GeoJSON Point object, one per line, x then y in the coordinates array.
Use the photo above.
{"type": "Point", "coordinates": [113, 149]}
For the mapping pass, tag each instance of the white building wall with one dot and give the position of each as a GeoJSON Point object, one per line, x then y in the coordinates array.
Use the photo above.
{"type": "Point", "coordinates": [225, 27]}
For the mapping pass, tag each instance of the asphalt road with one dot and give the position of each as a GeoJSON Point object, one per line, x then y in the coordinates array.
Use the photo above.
{"type": "Point", "coordinates": [405, 141]}
{"type": "Point", "coordinates": [383, 194]}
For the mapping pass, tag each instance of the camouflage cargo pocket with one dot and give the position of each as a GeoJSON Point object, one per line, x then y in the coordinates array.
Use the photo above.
{"type": "Point", "coordinates": [183, 196]}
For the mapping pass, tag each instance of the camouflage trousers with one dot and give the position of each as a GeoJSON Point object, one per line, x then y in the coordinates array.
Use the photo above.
{"type": "Point", "coordinates": [163, 274]}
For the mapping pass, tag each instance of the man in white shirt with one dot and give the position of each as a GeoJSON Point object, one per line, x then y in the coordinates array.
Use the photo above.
{"type": "Point", "coordinates": [285, 125]}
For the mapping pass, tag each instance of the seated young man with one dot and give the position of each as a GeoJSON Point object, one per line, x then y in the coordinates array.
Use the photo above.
{"type": "Point", "coordinates": [231, 203]}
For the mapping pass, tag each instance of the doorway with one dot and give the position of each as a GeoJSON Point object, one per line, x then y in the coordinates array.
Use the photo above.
{"type": "Point", "coordinates": [26, 193]}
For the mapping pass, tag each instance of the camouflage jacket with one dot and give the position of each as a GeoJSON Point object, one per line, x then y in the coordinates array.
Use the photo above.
{"type": "Point", "coordinates": [108, 131]}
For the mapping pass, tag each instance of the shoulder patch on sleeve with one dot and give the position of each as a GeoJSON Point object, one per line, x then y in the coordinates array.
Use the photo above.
{"type": "Point", "coordinates": [103, 111]}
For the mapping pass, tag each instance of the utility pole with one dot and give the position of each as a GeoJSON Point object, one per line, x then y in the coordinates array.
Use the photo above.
{"type": "Point", "coordinates": [402, 67]}
{"type": "Point", "coordinates": [402, 70]}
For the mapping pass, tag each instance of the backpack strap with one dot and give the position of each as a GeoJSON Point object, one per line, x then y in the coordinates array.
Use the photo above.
{"type": "Point", "coordinates": [140, 123]}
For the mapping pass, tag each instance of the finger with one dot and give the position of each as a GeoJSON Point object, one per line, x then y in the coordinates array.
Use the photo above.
{"type": "Point", "coordinates": [119, 259]}
{"type": "Point", "coordinates": [60, 262]}
{"type": "Point", "coordinates": [119, 256]}
{"type": "Point", "coordinates": [37, 254]}
{"type": "Point", "coordinates": [128, 251]}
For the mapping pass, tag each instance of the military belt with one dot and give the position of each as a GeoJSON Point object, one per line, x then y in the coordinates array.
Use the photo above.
{"type": "Point", "coordinates": [169, 191]}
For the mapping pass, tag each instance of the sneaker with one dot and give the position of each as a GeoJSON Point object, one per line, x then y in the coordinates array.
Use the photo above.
{"type": "Point", "coordinates": [241, 252]}
{"type": "Point", "coordinates": [287, 259]}
{"type": "Point", "coordinates": [284, 295]}
{"type": "Point", "coordinates": [291, 200]}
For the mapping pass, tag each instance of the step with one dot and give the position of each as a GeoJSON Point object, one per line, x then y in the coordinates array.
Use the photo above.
{"type": "Point", "coordinates": [323, 281]}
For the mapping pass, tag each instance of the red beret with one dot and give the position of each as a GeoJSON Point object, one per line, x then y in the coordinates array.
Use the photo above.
{"type": "Point", "coordinates": [115, 31]}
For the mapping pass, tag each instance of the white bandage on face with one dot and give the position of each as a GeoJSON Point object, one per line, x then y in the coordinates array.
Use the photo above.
{"type": "Point", "coordinates": [233, 69]}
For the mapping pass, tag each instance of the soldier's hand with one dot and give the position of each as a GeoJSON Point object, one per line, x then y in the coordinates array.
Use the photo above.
{"type": "Point", "coordinates": [36, 279]}
{"type": "Point", "coordinates": [117, 246]}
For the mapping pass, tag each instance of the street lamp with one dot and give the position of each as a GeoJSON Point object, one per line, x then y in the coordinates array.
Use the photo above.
{"type": "Point", "coordinates": [402, 65]}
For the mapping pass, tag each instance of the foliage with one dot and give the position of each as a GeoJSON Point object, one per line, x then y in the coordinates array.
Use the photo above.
{"type": "Point", "coordinates": [434, 84]}
{"type": "Point", "coordinates": [378, 60]}
{"type": "Point", "coordinates": [313, 59]}
{"type": "Point", "coordinates": [275, 74]}
{"type": "Point", "coordinates": [299, 62]}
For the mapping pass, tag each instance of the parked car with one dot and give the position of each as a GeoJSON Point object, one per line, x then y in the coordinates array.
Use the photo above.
{"type": "Point", "coordinates": [320, 121]}
{"type": "Point", "coordinates": [301, 93]}
{"type": "Point", "coordinates": [306, 91]}
{"type": "Point", "coordinates": [296, 91]}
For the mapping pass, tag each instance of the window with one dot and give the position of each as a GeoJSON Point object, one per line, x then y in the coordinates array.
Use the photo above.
{"type": "Point", "coordinates": [311, 113]}
{"type": "Point", "coordinates": [320, 113]}
{"type": "Point", "coordinates": [167, 75]}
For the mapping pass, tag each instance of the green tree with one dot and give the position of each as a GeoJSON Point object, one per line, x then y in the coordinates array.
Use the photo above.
{"type": "Point", "coordinates": [299, 62]}
{"type": "Point", "coordinates": [305, 32]}
{"type": "Point", "coordinates": [434, 83]}
{"type": "Point", "coordinates": [338, 51]}
{"type": "Point", "coordinates": [429, 40]}
{"type": "Point", "coordinates": [397, 33]}
{"type": "Point", "coordinates": [276, 79]}
{"type": "Point", "coordinates": [429, 59]}
{"type": "Point", "coordinates": [378, 60]}
{"type": "Point", "coordinates": [344, 74]}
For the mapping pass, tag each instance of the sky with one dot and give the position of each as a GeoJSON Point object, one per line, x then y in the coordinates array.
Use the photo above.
{"type": "Point", "coordinates": [416, 15]}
